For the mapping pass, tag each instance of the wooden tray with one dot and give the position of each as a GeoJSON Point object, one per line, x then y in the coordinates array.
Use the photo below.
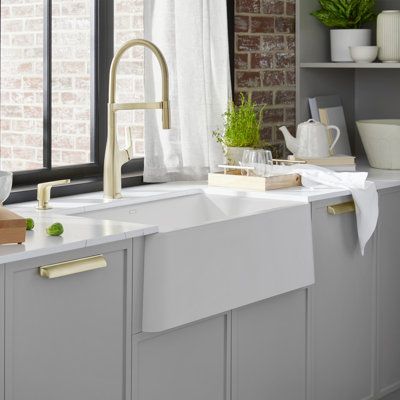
{"type": "Point", "coordinates": [12, 227]}
{"type": "Point", "coordinates": [234, 179]}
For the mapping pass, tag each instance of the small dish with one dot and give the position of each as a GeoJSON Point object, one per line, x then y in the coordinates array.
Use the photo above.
{"type": "Point", "coordinates": [5, 185]}
{"type": "Point", "coordinates": [364, 54]}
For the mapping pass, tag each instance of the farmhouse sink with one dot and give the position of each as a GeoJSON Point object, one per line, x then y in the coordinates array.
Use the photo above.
{"type": "Point", "coordinates": [215, 252]}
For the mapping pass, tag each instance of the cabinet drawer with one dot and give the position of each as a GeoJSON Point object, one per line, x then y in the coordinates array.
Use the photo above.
{"type": "Point", "coordinates": [67, 336]}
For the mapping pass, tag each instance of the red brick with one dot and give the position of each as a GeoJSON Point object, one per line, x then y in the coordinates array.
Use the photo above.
{"type": "Point", "coordinates": [248, 43]}
{"type": "Point", "coordinates": [290, 7]}
{"type": "Point", "coordinates": [272, 6]}
{"type": "Point", "coordinates": [267, 133]}
{"type": "Point", "coordinates": [262, 25]}
{"type": "Point", "coordinates": [274, 78]}
{"type": "Point", "coordinates": [291, 42]}
{"type": "Point", "coordinates": [261, 60]}
{"type": "Point", "coordinates": [285, 97]}
{"type": "Point", "coordinates": [284, 25]}
{"type": "Point", "coordinates": [285, 60]}
{"type": "Point", "coordinates": [272, 43]}
{"type": "Point", "coordinates": [248, 79]}
{"type": "Point", "coordinates": [248, 6]}
{"type": "Point", "coordinates": [242, 23]}
{"type": "Point", "coordinates": [273, 115]}
{"type": "Point", "coordinates": [290, 78]}
{"type": "Point", "coordinates": [262, 97]}
{"type": "Point", "coordinates": [241, 61]}
{"type": "Point", "coordinates": [290, 114]}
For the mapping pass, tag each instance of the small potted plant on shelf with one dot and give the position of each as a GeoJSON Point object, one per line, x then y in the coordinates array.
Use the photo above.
{"type": "Point", "coordinates": [346, 18]}
{"type": "Point", "coordinates": [242, 128]}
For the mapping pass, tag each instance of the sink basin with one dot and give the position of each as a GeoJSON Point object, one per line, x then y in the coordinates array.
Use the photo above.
{"type": "Point", "coordinates": [214, 253]}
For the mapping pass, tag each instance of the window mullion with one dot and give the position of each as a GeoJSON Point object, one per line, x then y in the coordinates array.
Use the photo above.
{"type": "Point", "coordinates": [47, 67]}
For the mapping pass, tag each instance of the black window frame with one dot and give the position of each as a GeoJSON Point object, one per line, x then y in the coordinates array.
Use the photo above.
{"type": "Point", "coordinates": [87, 177]}
{"type": "Point", "coordinates": [102, 50]}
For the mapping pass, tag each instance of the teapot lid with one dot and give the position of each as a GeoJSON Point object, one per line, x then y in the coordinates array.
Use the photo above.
{"type": "Point", "coordinates": [311, 121]}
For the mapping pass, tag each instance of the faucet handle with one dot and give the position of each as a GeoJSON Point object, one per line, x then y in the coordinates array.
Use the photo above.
{"type": "Point", "coordinates": [43, 192]}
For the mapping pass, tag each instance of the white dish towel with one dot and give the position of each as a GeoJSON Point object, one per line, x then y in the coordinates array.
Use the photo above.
{"type": "Point", "coordinates": [364, 194]}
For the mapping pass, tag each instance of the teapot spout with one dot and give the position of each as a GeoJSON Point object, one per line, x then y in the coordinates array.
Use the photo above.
{"type": "Point", "coordinates": [291, 141]}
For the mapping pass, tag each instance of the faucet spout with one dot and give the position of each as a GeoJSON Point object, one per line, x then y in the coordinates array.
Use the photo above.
{"type": "Point", "coordinates": [113, 160]}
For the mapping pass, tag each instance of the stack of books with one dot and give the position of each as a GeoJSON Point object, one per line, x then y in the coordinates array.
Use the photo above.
{"type": "Point", "coordinates": [339, 163]}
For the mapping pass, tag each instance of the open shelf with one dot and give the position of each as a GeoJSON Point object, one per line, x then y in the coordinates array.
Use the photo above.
{"type": "Point", "coordinates": [350, 65]}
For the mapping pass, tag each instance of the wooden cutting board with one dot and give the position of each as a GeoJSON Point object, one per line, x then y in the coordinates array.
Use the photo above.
{"type": "Point", "coordinates": [12, 227]}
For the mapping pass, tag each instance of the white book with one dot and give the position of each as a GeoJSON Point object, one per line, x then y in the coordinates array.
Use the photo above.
{"type": "Point", "coordinates": [341, 168]}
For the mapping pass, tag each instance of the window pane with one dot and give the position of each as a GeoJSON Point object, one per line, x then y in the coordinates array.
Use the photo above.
{"type": "Point", "coordinates": [128, 24]}
{"type": "Point", "coordinates": [21, 134]}
{"type": "Point", "coordinates": [71, 88]}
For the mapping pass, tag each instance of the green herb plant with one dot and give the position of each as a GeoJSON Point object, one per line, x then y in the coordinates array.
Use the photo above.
{"type": "Point", "coordinates": [242, 124]}
{"type": "Point", "coordinates": [345, 14]}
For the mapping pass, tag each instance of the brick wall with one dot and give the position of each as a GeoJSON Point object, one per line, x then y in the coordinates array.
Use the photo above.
{"type": "Point", "coordinates": [265, 61]}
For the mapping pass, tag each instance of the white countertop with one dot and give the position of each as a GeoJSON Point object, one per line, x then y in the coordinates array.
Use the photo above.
{"type": "Point", "coordinates": [82, 232]}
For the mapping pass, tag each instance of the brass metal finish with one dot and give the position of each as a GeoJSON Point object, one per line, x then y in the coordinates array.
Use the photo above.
{"type": "Point", "coordinates": [72, 267]}
{"type": "Point", "coordinates": [114, 156]}
{"type": "Point", "coordinates": [43, 192]}
{"type": "Point", "coordinates": [343, 208]}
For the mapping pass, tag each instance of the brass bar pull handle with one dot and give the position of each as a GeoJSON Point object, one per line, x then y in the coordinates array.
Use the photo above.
{"type": "Point", "coordinates": [343, 208]}
{"type": "Point", "coordinates": [72, 267]}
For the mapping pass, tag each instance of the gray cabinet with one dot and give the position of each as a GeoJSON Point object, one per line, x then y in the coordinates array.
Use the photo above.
{"type": "Point", "coordinates": [69, 337]}
{"type": "Point", "coordinates": [388, 257]}
{"type": "Point", "coordinates": [1, 331]}
{"type": "Point", "coordinates": [188, 363]}
{"type": "Point", "coordinates": [341, 310]}
{"type": "Point", "coordinates": [269, 349]}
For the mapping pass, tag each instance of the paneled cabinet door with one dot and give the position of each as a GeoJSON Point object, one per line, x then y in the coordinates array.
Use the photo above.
{"type": "Point", "coordinates": [389, 292]}
{"type": "Point", "coordinates": [342, 309]}
{"type": "Point", "coordinates": [1, 331]}
{"type": "Point", "coordinates": [187, 363]}
{"type": "Point", "coordinates": [269, 349]}
{"type": "Point", "coordinates": [67, 337]}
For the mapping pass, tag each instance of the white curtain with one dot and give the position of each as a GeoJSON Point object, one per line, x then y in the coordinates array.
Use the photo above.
{"type": "Point", "coordinates": [193, 36]}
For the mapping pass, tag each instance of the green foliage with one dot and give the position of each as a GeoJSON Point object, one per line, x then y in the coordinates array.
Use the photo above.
{"type": "Point", "coordinates": [242, 124]}
{"type": "Point", "coordinates": [345, 14]}
{"type": "Point", "coordinates": [55, 229]}
{"type": "Point", "coordinates": [30, 224]}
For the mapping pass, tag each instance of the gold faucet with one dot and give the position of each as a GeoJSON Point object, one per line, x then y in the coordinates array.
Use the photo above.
{"type": "Point", "coordinates": [43, 193]}
{"type": "Point", "coordinates": [114, 156]}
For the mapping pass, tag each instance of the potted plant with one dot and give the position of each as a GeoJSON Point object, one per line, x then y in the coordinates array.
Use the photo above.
{"type": "Point", "coordinates": [345, 18]}
{"type": "Point", "coordinates": [242, 128]}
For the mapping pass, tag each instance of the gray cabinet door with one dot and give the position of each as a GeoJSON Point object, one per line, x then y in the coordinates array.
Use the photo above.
{"type": "Point", "coordinates": [1, 332]}
{"type": "Point", "coordinates": [67, 338]}
{"type": "Point", "coordinates": [269, 349]}
{"type": "Point", "coordinates": [188, 363]}
{"type": "Point", "coordinates": [389, 292]}
{"type": "Point", "coordinates": [342, 310]}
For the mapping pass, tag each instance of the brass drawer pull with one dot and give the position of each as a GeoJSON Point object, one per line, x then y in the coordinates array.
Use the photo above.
{"type": "Point", "coordinates": [72, 267]}
{"type": "Point", "coordinates": [343, 208]}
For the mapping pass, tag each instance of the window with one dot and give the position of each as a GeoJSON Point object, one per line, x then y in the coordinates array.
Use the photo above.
{"type": "Point", "coordinates": [55, 58]}
{"type": "Point", "coordinates": [54, 72]}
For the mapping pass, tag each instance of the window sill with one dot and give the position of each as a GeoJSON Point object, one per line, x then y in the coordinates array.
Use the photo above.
{"type": "Point", "coordinates": [21, 194]}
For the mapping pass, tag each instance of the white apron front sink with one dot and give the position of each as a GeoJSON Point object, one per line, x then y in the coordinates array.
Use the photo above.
{"type": "Point", "coordinates": [214, 253]}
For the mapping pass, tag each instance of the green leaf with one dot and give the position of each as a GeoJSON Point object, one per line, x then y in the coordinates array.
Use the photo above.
{"type": "Point", "coordinates": [345, 14]}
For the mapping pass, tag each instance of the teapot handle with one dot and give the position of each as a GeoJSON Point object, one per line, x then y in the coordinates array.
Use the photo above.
{"type": "Point", "coordinates": [337, 136]}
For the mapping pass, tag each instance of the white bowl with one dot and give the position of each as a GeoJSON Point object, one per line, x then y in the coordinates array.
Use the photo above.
{"type": "Point", "coordinates": [5, 185]}
{"type": "Point", "coordinates": [381, 140]}
{"type": "Point", "coordinates": [364, 54]}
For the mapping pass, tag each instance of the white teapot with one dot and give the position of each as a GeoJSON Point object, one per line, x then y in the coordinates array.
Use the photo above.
{"type": "Point", "coordinates": [311, 141]}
